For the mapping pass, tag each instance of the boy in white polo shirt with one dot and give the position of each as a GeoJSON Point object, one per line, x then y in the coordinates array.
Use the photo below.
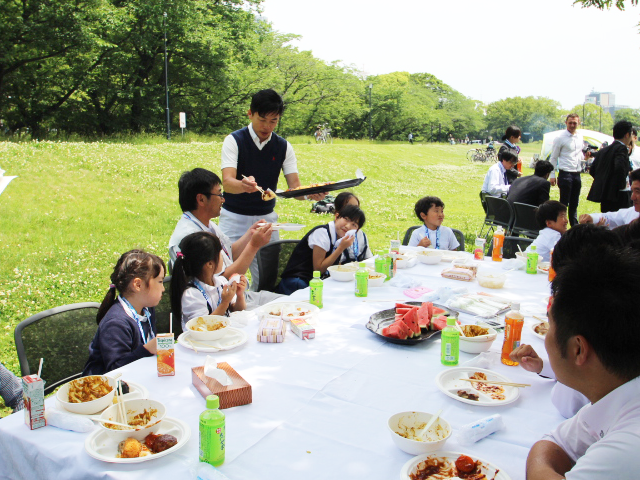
{"type": "Point", "coordinates": [552, 219]}
{"type": "Point", "coordinates": [430, 210]}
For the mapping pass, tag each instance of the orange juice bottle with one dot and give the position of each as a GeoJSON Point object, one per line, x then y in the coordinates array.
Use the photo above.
{"type": "Point", "coordinates": [498, 243]}
{"type": "Point", "coordinates": [513, 321]}
{"type": "Point", "coordinates": [552, 272]}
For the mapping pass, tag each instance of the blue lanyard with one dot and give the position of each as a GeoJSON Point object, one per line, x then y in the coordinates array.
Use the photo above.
{"type": "Point", "coordinates": [199, 225]}
{"type": "Point", "coordinates": [511, 145]}
{"type": "Point", "coordinates": [356, 249]}
{"type": "Point", "coordinates": [196, 283]}
{"type": "Point", "coordinates": [146, 317]}
{"type": "Point", "coordinates": [426, 229]}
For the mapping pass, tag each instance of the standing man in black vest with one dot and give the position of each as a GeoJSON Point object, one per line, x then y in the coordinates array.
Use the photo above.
{"type": "Point", "coordinates": [258, 154]}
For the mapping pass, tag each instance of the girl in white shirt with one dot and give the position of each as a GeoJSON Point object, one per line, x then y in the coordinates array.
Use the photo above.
{"type": "Point", "coordinates": [196, 287]}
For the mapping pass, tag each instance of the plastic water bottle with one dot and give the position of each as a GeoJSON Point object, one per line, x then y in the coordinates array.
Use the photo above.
{"type": "Point", "coordinates": [532, 260]}
{"type": "Point", "coordinates": [315, 290]}
{"type": "Point", "coordinates": [472, 432]}
{"type": "Point", "coordinates": [362, 281]}
{"type": "Point", "coordinates": [212, 434]}
{"type": "Point", "coordinates": [205, 471]}
{"type": "Point", "coordinates": [450, 344]}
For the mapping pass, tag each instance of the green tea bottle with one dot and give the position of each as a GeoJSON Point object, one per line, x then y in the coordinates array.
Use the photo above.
{"type": "Point", "coordinates": [212, 435]}
{"type": "Point", "coordinates": [315, 290]}
{"type": "Point", "coordinates": [362, 281]}
{"type": "Point", "coordinates": [450, 344]}
{"type": "Point", "coordinates": [532, 260]}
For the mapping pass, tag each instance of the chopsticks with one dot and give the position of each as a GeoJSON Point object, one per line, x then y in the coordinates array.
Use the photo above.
{"type": "Point", "coordinates": [122, 413]}
{"type": "Point", "coordinates": [259, 189]}
{"type": "Point", "coordinates": [491, 382]}
{"type": "Point", "coordinates": [115, 423]}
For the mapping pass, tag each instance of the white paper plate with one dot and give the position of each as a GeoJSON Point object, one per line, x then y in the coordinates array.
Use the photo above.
{"type": "Point", "coordinates": [136, 391]}
{"type": "Point", "coordinates": [534, 331]}
{"type": "Point", "coordinates": [448, 381]}
{"type": "Point", "coordinates": [287, 227]}
{"type": "Point", "coordinates": [286, 307]}
{"type": "Point", "coordinates": [103, 447]}
{"type": "Point", "coordinates": [233, 339]}
{"type": "Point", "coordinates": [487, 468]}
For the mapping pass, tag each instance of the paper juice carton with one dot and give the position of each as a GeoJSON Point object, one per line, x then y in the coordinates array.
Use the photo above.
{"type": "Point", "coordinates": [302, 329]}
{"type": "Point", "coordinates": [33, 394]}
{"type": "Point", "coordinates": [165, 356]}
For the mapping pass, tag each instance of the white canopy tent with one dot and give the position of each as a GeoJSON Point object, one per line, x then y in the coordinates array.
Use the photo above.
{"type": "Point", "coordinates": [593, 138]}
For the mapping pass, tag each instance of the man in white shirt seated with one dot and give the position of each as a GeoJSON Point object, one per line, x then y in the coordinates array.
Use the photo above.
{"type": "Point", "coordinates": [598, 359]}
{"type": "Point", "coordinates": [623, 216]}
{"type": "Point", "coordinates": [200, 197]}
{"type": "Point", "coordinates": [496, 182]}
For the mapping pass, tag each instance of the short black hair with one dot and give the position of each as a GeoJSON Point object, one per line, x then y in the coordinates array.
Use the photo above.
{"type": "Point", "coordinates": [508, 154]}
{"type": "Point", "coordinates": [628, 233]}
{"type": "Point", "coordinates": [354, 214]}
{"type": "Point", "coordinates": [612, 276]}
{"type": "Point", "coordinates": [579, 237]}
{"type": "Point", "coordinates": [635, 175]}
{"type": "Point", "coordinates": [512, 131]}
{"type": "Point", "coordinates": [267, 102]}
{"type": "Point", "coordinates": [342, 198]}
{"type": "Point", "coordinates": [424, 205]}
{"type": "Point", "coordinates": [549, 210]}
{"type": "Point", "coordinates": [543, 168]}
{"type": "Point", "coordinates": [198, 180]}
{"type": "Point", "coordinates": [621, 128]}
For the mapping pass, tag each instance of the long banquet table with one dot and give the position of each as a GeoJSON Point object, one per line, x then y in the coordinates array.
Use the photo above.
{"type": "Point", "coordinates": [320, 407]}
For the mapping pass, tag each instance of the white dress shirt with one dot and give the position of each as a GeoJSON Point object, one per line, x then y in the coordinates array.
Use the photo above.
{"type": "Point", "coordinates": [322, 240]}
{"type": "Point", "coordinates": [230, 153]}
{"type": "Point", "coordinates": [448, 240]}
{"type": "Point", "coordinates": [616, 219]}
{"type": "Point", "coordinates": [634, 158]}
{"type": "Point", "coordinates": [546, 240]}
{"type": "Point", "coordinates": [495, 182]}
{"type": "Point", "coordinates": [566, 153]}
{"type": "Point", "coordinates": [188, 224]}
{"type": "Point", "coordinates": [195, 305]}
{"type": "Point", "coordinates": [566, 400]}
{"type": "Point", "coordinates": [603, 438]}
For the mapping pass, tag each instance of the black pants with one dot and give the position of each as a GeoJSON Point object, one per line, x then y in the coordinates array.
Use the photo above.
{"type": "Point", "coordinates": [570, 184]}
{"type": "Point", "coordinates": [623, 201]}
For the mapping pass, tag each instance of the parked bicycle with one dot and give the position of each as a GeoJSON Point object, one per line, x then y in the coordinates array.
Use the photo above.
{"type": "Point", "coordinates": [476, 155]}
{"type": "Point", "coordinates": [323, 134]}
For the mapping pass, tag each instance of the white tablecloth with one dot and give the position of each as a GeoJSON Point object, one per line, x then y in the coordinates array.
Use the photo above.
{"type": "Point", "coordinates": [320, 407]}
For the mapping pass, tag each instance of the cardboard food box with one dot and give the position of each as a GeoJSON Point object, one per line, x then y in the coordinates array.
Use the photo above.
{"type": "Point", "coordinates": [272, 330]}
{"type": "Point", "coordinates": [238, 393]}
{"type": "Point", "coordinates": [301, 328]}
{"type": "Point", "coordinates": [33, 394]}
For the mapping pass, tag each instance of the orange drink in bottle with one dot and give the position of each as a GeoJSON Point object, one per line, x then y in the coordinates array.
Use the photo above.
{"type": "Point", "coordinates": [513, 321]}
{"type": "Point", "coordinates": [498, 243]}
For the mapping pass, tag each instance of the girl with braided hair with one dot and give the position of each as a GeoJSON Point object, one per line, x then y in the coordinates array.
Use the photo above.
{"type": "Point", "coordinates": [127, 323]}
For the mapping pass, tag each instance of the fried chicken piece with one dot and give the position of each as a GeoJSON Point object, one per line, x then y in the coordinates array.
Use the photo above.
{"type": "Point", "coordinates": [129, 448]}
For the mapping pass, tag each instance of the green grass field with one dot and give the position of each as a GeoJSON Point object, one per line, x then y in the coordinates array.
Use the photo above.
{"type": "Point", "coordinates": [75, 207]}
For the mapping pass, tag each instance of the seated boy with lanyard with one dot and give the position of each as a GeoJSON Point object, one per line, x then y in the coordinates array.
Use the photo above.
{"type": "Point", "coordinates": [322, 247]}
{"type": "Point", "coordinates": [430, 210]}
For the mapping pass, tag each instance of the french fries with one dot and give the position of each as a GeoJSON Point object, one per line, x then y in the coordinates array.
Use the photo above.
{"type": "Point", "coordinates": [88, 388]}
{"type": "Point", "coordinates": [208, 325]}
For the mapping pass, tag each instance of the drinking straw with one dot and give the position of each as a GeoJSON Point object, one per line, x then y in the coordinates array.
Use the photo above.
{"type": "Point", "coordinates": [40, 367]}
{"type": "Point", "coordinates": [171, 322]}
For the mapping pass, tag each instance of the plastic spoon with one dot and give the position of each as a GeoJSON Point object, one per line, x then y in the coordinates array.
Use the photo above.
{"type": "Point", "coordinates": [433, 420]}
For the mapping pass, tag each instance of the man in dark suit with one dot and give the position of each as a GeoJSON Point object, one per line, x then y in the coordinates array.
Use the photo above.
{"type": "Point", "coordinates": [610, 171]}
{"type": "Point", "coordinates": [534, 189]}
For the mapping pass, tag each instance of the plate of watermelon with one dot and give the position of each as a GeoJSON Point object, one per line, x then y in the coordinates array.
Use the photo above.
{"type": "Point", "coordinates": [410, 323]}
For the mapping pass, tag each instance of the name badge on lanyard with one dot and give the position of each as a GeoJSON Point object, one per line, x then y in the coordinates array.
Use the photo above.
{"type": "Point", "coordinates": [198, 285]}
{"type": "Point", "coordinates": [437, 236]}
{"type": "Point", "coordinates": [138, 318]}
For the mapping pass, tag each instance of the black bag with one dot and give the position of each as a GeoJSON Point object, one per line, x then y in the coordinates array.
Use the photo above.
{"type": "Point", "coordinates": [324, 206]}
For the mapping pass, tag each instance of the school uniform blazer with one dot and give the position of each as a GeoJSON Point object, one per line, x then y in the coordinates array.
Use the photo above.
{"type": "Point", "coordinates": [609, 171]}
{"type": "Point", "coordinates": [532, 190]}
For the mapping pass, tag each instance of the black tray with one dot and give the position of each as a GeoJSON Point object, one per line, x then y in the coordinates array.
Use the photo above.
{"type": "Point", "coordinates": [341, 185]}
{"type": "Point", "coordinates": [384, 318]}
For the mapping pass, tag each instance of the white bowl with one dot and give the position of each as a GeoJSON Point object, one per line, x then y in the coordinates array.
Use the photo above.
{"type": "Point", "coordinates": [338, 273]}
{"type": "Point", "coordinates": [430, 256]}
{"type": "Point", "coordinates": [87, 408]}
{"type": "Point", "coordinates": [543, 267]}
{"type": "Point", "coordinates": [479, 344]}
{"type": "Point", "coordinates": [491, 279]}
{"type": "Point", "coordinates": [377, 280]}
{"type": "Point", "coordinates": [208, 336]}
{"type": "Point", "coordinates": [404, 261]}
{"type": "Point", "coordinates": [134, 407]}
{"type": "Point", "coordinates": [412, 423]}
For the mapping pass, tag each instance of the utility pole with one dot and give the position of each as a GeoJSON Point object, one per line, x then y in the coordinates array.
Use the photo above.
{"type": "Point", "coordinates": [166, 75]}
{"type": "Point", "coordinates": [370, 131]}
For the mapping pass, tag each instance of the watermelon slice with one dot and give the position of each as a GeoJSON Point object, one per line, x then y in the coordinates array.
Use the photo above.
{"type": "Point", "coordinates": [440, 322]}
{"type": "Point", "coordinates": [402, 310]}
{"type": "Point", "coordinates": [398, 316]}
{"type": "Point", "coordinates": [394, 331]}
{"type": "Point", "coordinates": [411, 321]}
{"type": "Point", "coordinates": [404, 305]}
{"type": "Point", "coordinates": [430, 309]}
{"type": "Point", "coordinates": [438, 311]}
{"type": "Point", "coordinates": [423, 316]}
{"type": "Point", "coordinates": [403, 329]}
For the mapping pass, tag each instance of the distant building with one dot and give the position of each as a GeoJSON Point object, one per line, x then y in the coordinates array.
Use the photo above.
{"type": "Point", "coordinates": [607, 100]}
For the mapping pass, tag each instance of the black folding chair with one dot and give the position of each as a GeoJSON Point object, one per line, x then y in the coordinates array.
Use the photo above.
{"type": "Point", "coordinates": [499, 213]}
{"type": "Point", "coordinates": [407, 235]}
{"type": "Point", "coordinates": [483, 201]}
{"type": "Point", "coordinates": [524, 222]}
{"type": "Point", "coordinates": [510, 246]}
{"type": "Point", "coordinates": [272, 260]}
{"type": "Point", "coordinates": [163, 312]}
{"type": "Point", "coordinates": [61, 336]}
{"type": "Point", "coordinates": [460, 237]}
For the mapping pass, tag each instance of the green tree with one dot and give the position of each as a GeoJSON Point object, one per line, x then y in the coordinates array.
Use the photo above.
{"type": "Point", "coordinates": [629, 114]}
{"type": "Point", "coordinates": [594, 118]}
{"type": "Point", "coordinates": [536, 115]}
